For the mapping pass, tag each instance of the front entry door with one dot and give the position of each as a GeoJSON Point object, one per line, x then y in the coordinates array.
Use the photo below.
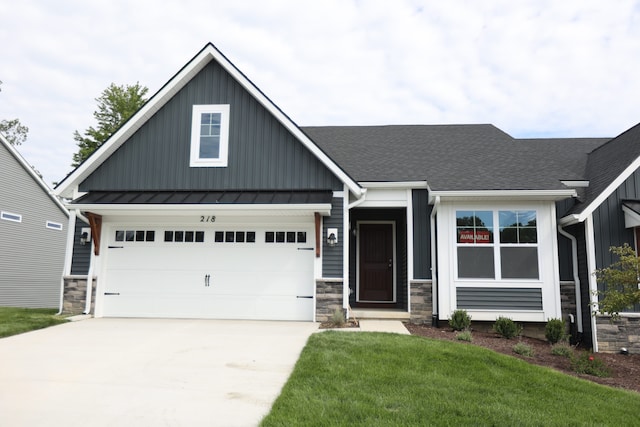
{"type": "Point", "coordinates": [376, 262]}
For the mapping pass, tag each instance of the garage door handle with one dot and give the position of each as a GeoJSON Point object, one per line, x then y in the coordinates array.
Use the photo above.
{"type": "Point", "coordinates": [112, 293]}
{"type": "Point", "coordinates": [306, 249]}
{"type": "Point", "coordinates": [115, 247]}
{"type": "Point", "coordinates": [305, 296]}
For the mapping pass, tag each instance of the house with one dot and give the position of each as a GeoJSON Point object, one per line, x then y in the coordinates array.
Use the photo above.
{"type": "Point", "coordinates": [33, 225]}
{"type": "Point", "coordinates": [210, 202]}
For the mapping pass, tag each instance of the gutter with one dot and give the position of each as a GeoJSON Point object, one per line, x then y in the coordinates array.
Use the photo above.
{"type": "Point", "coordinates": [434, 260]}
{"type": "Point", "coordinates": [576, 278]}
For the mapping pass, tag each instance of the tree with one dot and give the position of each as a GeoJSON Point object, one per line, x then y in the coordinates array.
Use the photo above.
{"type": "Point", "coordinates": [14, 131]}
{"type": "Point", "coordinates": [621, 282]}
{"type": "Point", "coordinates": [115, 105]}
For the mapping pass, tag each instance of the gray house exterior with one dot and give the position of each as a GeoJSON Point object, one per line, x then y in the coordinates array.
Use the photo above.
{"type": "Point", "coordinates": [33, 225]}
{"type": "Point", "coordinates": [210, 202]}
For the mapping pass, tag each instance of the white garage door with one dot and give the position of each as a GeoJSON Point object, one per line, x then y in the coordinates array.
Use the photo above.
{"type": "Point", "coordinates": [244, 272]}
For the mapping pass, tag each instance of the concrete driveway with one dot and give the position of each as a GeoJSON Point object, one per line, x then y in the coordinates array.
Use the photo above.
{"type": "Point", "coordinates": [155, 372]}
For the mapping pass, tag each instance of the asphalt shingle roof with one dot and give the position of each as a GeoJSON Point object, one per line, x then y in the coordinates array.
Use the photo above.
{"type": "Point", "coordinates": [455, 157]}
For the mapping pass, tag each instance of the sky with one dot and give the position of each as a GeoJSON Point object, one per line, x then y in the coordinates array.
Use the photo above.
{"type": "Point", "coordinates": [533, 68]}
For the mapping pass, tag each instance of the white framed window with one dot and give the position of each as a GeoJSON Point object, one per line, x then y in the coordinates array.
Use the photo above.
{"type": "Point", "coordinates": [54, 225]}
{"type": "Point", "coordinates": [508, 251]}
{"type": "Point", "coordinates": [210, 136]}
{"type": "Point", "coordinates": [8, 216]}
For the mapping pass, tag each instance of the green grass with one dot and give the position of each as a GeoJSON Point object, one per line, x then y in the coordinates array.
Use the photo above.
{"type": "Point", "coordinates": [367, 379]}
{"type": "Point", "coordinates": [15, 321]}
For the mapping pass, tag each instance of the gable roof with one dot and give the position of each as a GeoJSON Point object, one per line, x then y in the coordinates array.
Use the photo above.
{"type": "Point", "coordinates": [455, 157]}
{"type": "Point", "coordinates": [608, 166]}
{"type": "Point", "coordinates": [209, 53]}
{"type": "Point", "coordinates": [32, 173]}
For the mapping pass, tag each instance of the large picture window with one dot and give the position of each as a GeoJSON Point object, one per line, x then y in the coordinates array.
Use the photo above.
{"type": "Point", "coordinates": [509, 253]}
{"type": "Point", "coordinates": [209, 135]}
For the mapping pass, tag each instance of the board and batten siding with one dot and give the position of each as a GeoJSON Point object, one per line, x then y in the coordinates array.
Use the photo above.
{"type": "Point", "coordinates": [332, 257]}
{"type": "Point", "coordinates": [31, 255]}
{"type": "Point", "coordinates": [263, 154]}
{"type": "Point", "coordinates": [421, 234]}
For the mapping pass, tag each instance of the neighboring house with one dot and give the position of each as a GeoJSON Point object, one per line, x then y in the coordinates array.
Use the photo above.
{"type": "Point", "coordinates": [33, 238]}
{"type": "Point", "coordinates": [210, 202]}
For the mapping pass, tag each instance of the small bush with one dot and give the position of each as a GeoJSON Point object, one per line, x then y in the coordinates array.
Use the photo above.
{"type": "Point", "coordinates": [507, 327]}
{"type": "Point", "coordinates": [523, 349]}
{"type": "Point", "coordinates": [460, 320]}
{"type": "Point", "coordinates": [554, 330]}
{"type": "Point", "coordinates": [588, 364]}
{"type": "Point", "coordinates": [464, 336]}
{"type": "Point", "coordinates": [337, 318]}
{"type": "Point", "coordinates": [562, 349]}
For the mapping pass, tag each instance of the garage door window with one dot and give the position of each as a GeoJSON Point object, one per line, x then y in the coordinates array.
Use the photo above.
{"type": "Point", "coordinates": [135, 235]}
{"type": "Point", "coordinates": [235, 237]}
{"type": "Point", "coordinates": [285, 237]}
{"type": "Point", "coordinates": [183, 236]}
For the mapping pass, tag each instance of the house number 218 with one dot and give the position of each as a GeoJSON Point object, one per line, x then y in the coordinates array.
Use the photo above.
{"type": "Point", "coordinates": [207, 218]}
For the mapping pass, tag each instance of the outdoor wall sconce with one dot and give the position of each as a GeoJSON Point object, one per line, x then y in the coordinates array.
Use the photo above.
{"type": "Point", "coordinates": [332, 236]}
{"type": "Point", "coordinates": [85, 235]}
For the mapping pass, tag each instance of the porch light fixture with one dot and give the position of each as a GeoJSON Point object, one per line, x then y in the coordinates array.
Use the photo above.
{"type": "Point", "coordinates": [85, 235]}
{"type": "Point", "coordinates": [332, 236]}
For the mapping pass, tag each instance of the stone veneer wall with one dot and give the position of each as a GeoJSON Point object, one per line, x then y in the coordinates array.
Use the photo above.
{"type": "Point", "coordinates": [75, 292]}
{"type": "Point", "coordinates": [328, 298]}
{"type": "Point", "coordinates": [421, 302]}
{"type": "Point", "coordinates": [614, 335]}
{"type": "Point", "coordinates": [568, 306]}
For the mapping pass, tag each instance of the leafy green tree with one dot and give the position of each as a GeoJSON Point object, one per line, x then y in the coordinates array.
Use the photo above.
{"type": "Point", "coordinates": [115, 105]}
{"type": "Point", "coordinates": [14, 131]}
{"type": "Point", "coordinates": [621, 282]}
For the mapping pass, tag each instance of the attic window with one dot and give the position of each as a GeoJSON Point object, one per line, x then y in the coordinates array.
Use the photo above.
{"type": "Point", "coordinates": [209, 136]}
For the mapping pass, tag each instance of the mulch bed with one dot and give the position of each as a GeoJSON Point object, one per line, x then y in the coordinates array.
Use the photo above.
{"type": "Point", "coordinates": [625, 369]}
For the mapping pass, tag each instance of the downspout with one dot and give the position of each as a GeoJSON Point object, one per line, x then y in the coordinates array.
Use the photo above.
{"type": "Point", "coordinates": [576, 277]}
{"type": "Point", "coordinates": [434, 260]}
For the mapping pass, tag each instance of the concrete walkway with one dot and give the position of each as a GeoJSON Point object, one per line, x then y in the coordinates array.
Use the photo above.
{"type": "Point", "coordinates": [393, 326]}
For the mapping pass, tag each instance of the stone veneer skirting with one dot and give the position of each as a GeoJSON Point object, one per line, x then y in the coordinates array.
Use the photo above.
{"type": "Point", "coordinates": [329, 298]}
{"type": "Point", "coordinates": [75, 293]}
{"type": "Point", "coordinates": [421, 302]}
{"type": "Point", "coordinates": [614, 335]}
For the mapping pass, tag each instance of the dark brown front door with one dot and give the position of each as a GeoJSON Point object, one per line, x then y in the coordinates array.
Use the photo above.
{"type": "Point", "coordinates": [375, 262]}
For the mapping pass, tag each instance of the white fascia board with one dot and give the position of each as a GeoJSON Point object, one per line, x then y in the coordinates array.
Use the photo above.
{"type": "Point", "coordinates": [167, 92]}
{"type": "Point", "coordinates": [537, 195]}
{"type": "Point", "coordinates": [576, 183]}
{"type": "Point", "coordinates": [586, 212]}
{"type": "Point", "coordinates": [26, 166]}
{"type": "Point", "coordinates": [394, 184]}
{"type": "Point", "coordinates": [218, 209]}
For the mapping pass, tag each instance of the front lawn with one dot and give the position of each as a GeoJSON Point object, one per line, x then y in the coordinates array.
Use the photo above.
{"type": "Point", "coordinates": [379, 379]}
{"type": "Point", "coordinates": [15, 321]}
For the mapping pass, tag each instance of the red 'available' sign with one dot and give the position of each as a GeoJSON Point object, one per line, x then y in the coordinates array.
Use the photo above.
{"type": "Point", "coordinates": [474, 236]}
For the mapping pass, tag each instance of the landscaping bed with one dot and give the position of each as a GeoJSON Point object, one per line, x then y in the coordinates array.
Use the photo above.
{"type": "Point", "coordinates": [624, 369]}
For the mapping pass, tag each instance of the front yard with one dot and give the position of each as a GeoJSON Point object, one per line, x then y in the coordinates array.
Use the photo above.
{"type": "Point", "coordinates": [381, 379]}
{"type": "Point", "coordinates": [15, 321]}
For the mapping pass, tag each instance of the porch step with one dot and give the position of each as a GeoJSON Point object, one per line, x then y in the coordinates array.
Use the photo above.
{"type": "Point", "coordinates": [379, 314]}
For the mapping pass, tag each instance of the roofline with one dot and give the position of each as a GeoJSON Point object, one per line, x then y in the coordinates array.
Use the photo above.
{"type": "Point", "coordinates": [160, 98]}
{"type": "Point", "coordinates": [613, 185]}
{"type": "Point", "coordinates": [520, 195]}
{"type": "Point", "coordinates": [393, 184]}
{"type": "Point", "coordinates": [190, 209]}
{"type": "Point", "coordinates": [26, 166]}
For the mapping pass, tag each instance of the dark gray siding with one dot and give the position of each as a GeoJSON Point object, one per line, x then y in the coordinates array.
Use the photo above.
{"type": "Point", "coordinates": [31, 255]}
{"type": "Point", "coordinates": [499, 298]}
{"type": "Point", "coordinates": [583, 274]}
{"type": "Point", "coordinates": [608, 221]}
{"type": "Point", "coordinates": [332, 256]}
{"type": "Point", "coordinates": [421, 235]}
{"type": "Point", "coordinates": [565, 257]}
{"type": "Point", "coordinates": [262, 152]}
{"type": "Point", "coordinates": [81, 253]}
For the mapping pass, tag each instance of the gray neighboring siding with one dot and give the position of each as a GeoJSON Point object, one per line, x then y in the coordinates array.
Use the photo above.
{"type": "Point", "coordinates": [263, 154]}
{"type": "Point", "coordinates": [332, 257]}
{"type": "Point", "coordinates": [421, 235]}
{"type": "Point", "coordinates": [81, 253]}
{"type": "Point", "coordinates": [31, 255]}
{"type": "Point", "coordinates": [499, 298]}
{"type": "Point", "coordinates": [608, 221]}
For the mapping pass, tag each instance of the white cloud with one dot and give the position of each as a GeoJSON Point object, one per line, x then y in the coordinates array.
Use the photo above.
{"type": "Point", "coordinates": [532, 68]}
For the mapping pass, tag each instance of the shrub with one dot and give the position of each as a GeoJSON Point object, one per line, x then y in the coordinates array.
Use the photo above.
{"type": "Point", "coordinates": [562, 349]}
{"type": "Point", "coordinates": [554, 330]}
{"type": "Point", "coordinates": [337, 318]}
{"type": "Point", "coordinates": [523, 349]}
{"type": "Point", "coordinates": [507, 327]}
{"type": "Point", "coordinates": [588, 364]}
{"type": "Point", "coordinates": [464, 336]}
{"type": "Point", "coordinates": [460, 320]}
